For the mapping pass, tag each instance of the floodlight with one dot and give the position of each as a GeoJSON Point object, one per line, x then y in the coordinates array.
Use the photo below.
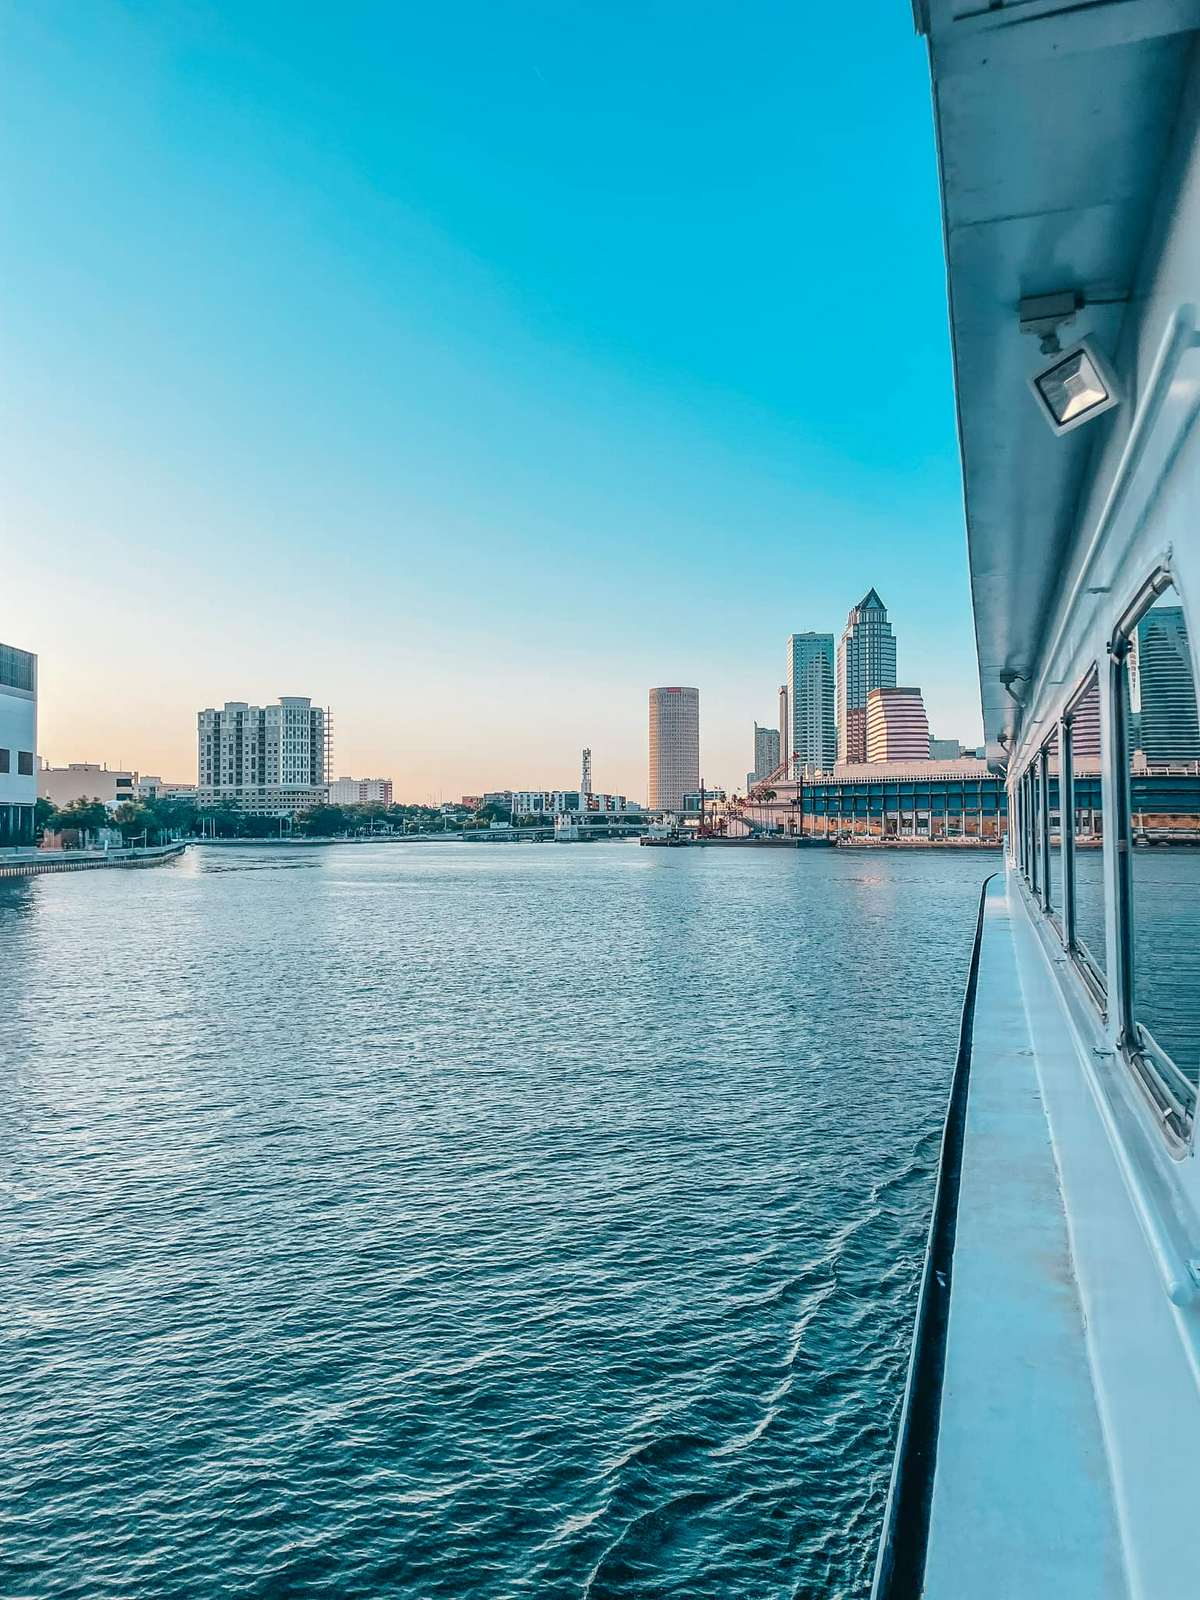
{"type": "Point", "coordinates": [1077, 386]}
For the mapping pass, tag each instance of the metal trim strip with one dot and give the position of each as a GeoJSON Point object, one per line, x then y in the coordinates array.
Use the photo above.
{"type": "Point", "coordinates": [903, 1543]}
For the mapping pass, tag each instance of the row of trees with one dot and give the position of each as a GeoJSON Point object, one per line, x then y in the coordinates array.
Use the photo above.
{"type": "Point", "coordinates": [157, 820]}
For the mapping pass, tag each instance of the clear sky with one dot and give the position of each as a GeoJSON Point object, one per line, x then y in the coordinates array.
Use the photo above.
{"type": "Point", "coordinates": [470, 368]}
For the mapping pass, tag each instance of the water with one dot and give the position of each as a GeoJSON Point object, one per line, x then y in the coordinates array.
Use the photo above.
{"type": "Point", "coordinates": [466, 1220]}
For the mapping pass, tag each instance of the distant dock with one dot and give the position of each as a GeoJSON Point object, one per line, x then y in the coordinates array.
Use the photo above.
{"type": "Point", "coordinates": [787, 841]}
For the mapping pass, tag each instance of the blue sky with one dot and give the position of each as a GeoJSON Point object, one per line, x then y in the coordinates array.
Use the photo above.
{"type": "Point", "coordinates": [469, 368]}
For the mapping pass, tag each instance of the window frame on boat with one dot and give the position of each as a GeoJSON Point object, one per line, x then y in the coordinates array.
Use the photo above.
{"type": "Point", "coordinates": [1170, 1093]}
{"type": "Point", "coordinates": [1092, 970]}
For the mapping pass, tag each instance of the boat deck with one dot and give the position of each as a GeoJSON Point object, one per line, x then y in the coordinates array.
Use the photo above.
{"type": "Point", "coordinates": [1068, 1447]}
{"type": "Point", "coordinates": [1022, 1501]}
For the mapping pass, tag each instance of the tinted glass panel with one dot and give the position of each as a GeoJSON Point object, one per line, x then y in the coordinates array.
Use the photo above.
{"type": "Point", "coordinates": [1054, 862]}
{"type": "Point", "coordinates": [1163, 738]}
{"type": "Point", "coordinates": [1089, 828]}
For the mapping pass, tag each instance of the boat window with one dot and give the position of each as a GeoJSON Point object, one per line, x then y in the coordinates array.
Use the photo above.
{"type": "Point", "coordinates": [1065, 854]}
{"type": "Point", "coordinates": [1022, 794]}
{"type": "Point", "coordinates": [1087, 819]}
{"type": "Point", "coordinates": [1051, 842]}
{"type": "Point", "coordinates": [1158, 719]}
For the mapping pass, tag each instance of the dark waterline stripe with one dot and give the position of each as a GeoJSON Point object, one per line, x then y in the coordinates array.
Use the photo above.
{"type": "Point", "coordinates": [903, 1544]}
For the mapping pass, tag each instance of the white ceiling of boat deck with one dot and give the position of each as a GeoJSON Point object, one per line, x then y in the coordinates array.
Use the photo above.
{"type": "Point", "coordinates": [1053, 120]}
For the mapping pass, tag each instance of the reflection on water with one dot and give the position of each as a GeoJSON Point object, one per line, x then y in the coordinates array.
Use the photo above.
{"type": "Point", "coordinates": [466, 1221]}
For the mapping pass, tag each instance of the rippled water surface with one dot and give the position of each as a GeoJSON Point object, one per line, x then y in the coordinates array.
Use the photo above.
{"type": "Point", "coordinates": [466, 1220]}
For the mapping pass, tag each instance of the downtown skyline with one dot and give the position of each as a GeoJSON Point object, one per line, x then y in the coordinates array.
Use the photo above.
{"type": "Point", "coordinates": [435, 441]}
{"type": "Point", "coordinates": [822, 641]}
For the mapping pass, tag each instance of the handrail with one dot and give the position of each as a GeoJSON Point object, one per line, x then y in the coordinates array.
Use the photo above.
{"type": "Point", "coordinates": [900, 1565]}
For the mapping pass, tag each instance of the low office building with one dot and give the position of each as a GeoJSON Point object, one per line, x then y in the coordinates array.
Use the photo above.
{"type": "Point", "coordinates": [558, 802]}
{"type": "Point", "coordinates": [693, 799]}
{"type": "Point", "coordinates": [945, 749]}
{"type": "Point", "coordinates": [151, 787]}
{"type": "Point", "coordinates": [360, 792]}
{"type": "Point", "coordinates": [18, 745]}
{"type": "Point", "coordinates": [87, 780]}
{"type": "Point", "coordinates": [266, 760]}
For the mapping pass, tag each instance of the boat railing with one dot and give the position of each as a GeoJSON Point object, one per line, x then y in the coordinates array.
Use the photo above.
{"type": "Point", "coordinates": [900, 1565]}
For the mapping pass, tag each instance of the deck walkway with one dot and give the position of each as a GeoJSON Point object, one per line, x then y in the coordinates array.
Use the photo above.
{"type": "Point", "coordinates": [1022, 1503]}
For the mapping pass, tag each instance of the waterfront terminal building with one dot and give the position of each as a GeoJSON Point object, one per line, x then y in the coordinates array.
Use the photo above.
{"type": "Point", "coordinates": [933, 800]}
{"type": "Point", "coordinates": [18, 745]}
{"type": "Point", "coordinates": [951, 801]}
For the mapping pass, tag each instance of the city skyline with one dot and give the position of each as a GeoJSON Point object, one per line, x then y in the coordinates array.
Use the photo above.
{"type": "Point", "coordinates": [819, 650]}
{"type": "Point", "coordinates": [401, 373]}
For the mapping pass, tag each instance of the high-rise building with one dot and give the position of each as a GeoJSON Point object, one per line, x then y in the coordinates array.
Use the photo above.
{"type": "Point", "coordinates": [674, 747]}
{"type": "Point", "coordinates": [1168, 726]}
{"type": "Point", "coordinates": [812, 730]}
{"type": "Point", "coordinates": [766, 750]}
{"type": "Point", "coordinates": [866, 660]}
{"type": "Point", "coordinates": [18, 745]}
{"type": "Point", "coordinates": [273, 760]}
{"type": "Point", "coordinates": [766, 755]}
{"type": "Point", "coordinates": [784, 725]}
{"type": "Point", "coordinates": [360, 792]}
{"type": "Point", "coordinates": [897, 727]}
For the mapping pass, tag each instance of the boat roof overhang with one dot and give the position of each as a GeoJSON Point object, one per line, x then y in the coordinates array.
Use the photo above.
{"type": "Point", "coordinates": [1053, 119]}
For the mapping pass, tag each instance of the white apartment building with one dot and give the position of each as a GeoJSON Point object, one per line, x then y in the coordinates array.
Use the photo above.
{"type": "Point", "coordinates": [360, 792]}
{"type": "Point", "coordinates": [18, 745]}
{"type": "Point", "coordinates": [674, 747]}
{"type": "Point", "coordinates": [271, 760]}
{"type": "Point", "coordinates": [87, 780]}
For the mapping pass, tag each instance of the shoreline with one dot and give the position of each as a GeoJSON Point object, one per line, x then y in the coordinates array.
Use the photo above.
{"type": "Point", "coordinates": [37, 865]}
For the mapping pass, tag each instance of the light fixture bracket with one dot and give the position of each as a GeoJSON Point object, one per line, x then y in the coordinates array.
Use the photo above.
{"type": "Point", "coordinates": [1045, 314]}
